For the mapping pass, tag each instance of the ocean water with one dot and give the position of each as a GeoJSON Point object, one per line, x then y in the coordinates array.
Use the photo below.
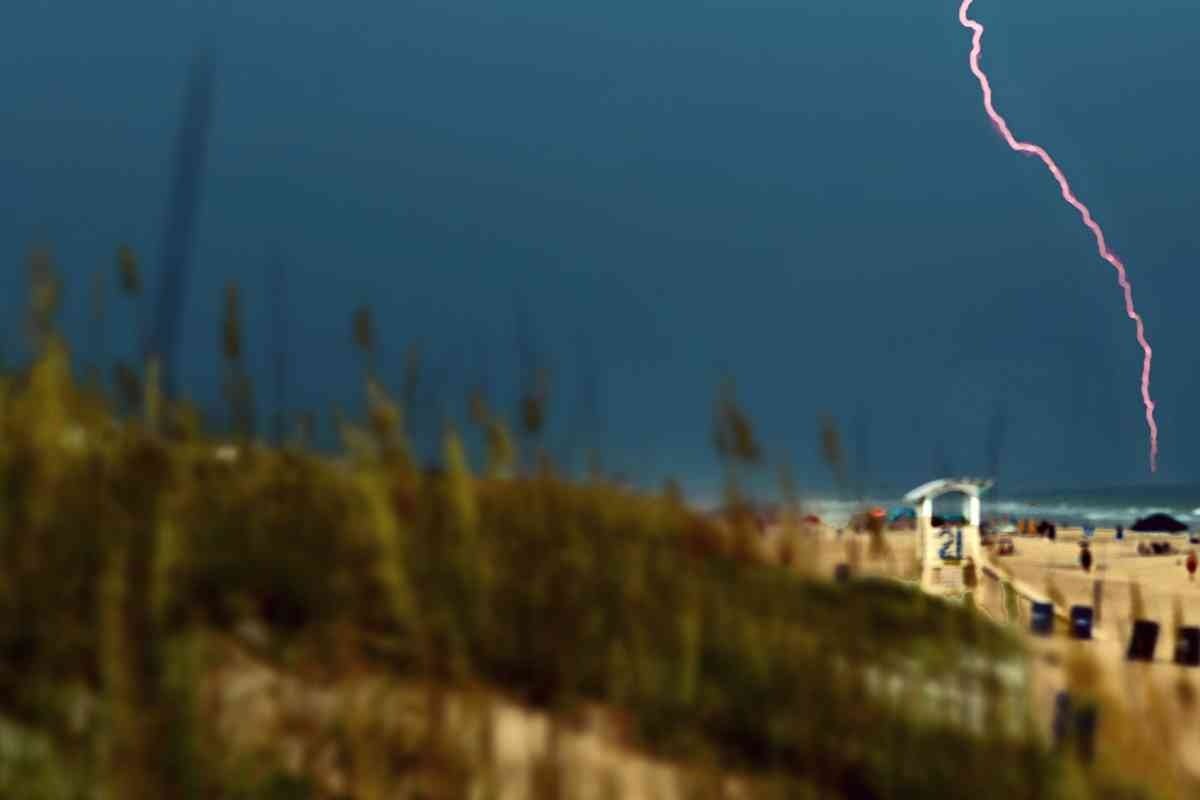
{"type": "Point", "coordinates": [1104, 508]}
{"type": "Point", "coordinates": [1099, 506]}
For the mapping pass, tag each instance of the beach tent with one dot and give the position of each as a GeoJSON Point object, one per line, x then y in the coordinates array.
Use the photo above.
{"type": "Point", "coordinates": [902, 519]}
{"type": "Point", "coordinates": [1158, 523]}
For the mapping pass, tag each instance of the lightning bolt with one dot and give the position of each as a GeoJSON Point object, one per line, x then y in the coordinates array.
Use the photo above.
{"type": "Point", "coordinates": [1068, 195]}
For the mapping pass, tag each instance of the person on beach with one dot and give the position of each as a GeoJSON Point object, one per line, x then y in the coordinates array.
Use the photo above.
{"type": "Point", "coordinates": [1085, 557]}
{"type": "Point", "coordinates": [1191, 565]}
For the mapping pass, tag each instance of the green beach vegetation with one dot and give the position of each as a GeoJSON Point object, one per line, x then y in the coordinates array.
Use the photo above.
{"type": "Point", "coordinates": [142, 557]}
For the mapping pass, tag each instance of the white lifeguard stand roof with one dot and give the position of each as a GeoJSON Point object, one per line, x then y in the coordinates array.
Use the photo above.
{"type": "Point", "coordinates": [972, 487]}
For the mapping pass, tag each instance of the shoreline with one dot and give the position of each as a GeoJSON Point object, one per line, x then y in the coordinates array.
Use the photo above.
{"type": "Point", "coordinates": [838, 512]}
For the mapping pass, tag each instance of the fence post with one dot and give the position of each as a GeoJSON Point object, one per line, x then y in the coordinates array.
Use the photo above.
{"type": "Point", "coordinates": [1011, 608]}
{"type": "Point", "coordinates": [994, 593]}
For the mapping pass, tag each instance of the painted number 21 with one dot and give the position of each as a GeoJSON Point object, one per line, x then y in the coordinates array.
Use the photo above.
{"type": "Point", "coordinates": [951, 548]}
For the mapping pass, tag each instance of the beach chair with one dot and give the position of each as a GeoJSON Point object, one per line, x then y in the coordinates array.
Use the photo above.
{"type": "Point", "coordinates": [1187, 646]}
{"type": "Point", "coordinates": [1081, 622]}
{"type": "Point", "coordinates": [1041, 620]}
{"type": "Point", "coordinates": [1144, 641]}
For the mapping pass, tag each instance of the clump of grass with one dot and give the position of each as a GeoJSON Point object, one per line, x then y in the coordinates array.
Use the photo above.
{"type": "Point", "coordinates": [1083, 673]}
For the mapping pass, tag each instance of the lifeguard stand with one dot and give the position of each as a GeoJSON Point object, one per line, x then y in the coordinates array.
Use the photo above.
{"type": "Point", "coordinates": [944, 551]}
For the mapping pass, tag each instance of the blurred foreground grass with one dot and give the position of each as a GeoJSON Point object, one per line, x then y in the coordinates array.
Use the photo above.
{"type": "Point", "coordinates": [141, 559]}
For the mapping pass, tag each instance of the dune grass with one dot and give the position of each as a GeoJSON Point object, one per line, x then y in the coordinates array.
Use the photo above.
{"type": "Point", "coordinates": [128, 541]}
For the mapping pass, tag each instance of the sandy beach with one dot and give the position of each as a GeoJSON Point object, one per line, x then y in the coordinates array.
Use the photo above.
{"type": "Point", "coordinates": [1149, 692]}
{"type": "Point", "coordinates": [1161, 579]}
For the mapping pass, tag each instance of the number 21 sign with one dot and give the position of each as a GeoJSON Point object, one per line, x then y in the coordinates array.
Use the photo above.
{"type": "Point", "coordinates": [952, 545]}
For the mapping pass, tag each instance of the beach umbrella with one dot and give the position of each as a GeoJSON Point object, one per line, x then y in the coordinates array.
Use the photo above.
{"type": "Point", "coordinates": [1158, 523]}
{"type": "Point", "coordinates": [901, 512]}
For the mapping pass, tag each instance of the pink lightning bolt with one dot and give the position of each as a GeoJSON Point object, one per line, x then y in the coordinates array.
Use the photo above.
{"type": "Point", "coordinates": [1069, 196]}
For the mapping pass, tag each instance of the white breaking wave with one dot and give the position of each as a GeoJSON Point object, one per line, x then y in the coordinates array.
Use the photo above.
{"type": "Point", "coordinates": [838, 512]}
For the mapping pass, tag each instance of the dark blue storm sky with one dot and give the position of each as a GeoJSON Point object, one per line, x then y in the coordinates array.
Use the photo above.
{"type": "Point", "coordinates": [804, 193]}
